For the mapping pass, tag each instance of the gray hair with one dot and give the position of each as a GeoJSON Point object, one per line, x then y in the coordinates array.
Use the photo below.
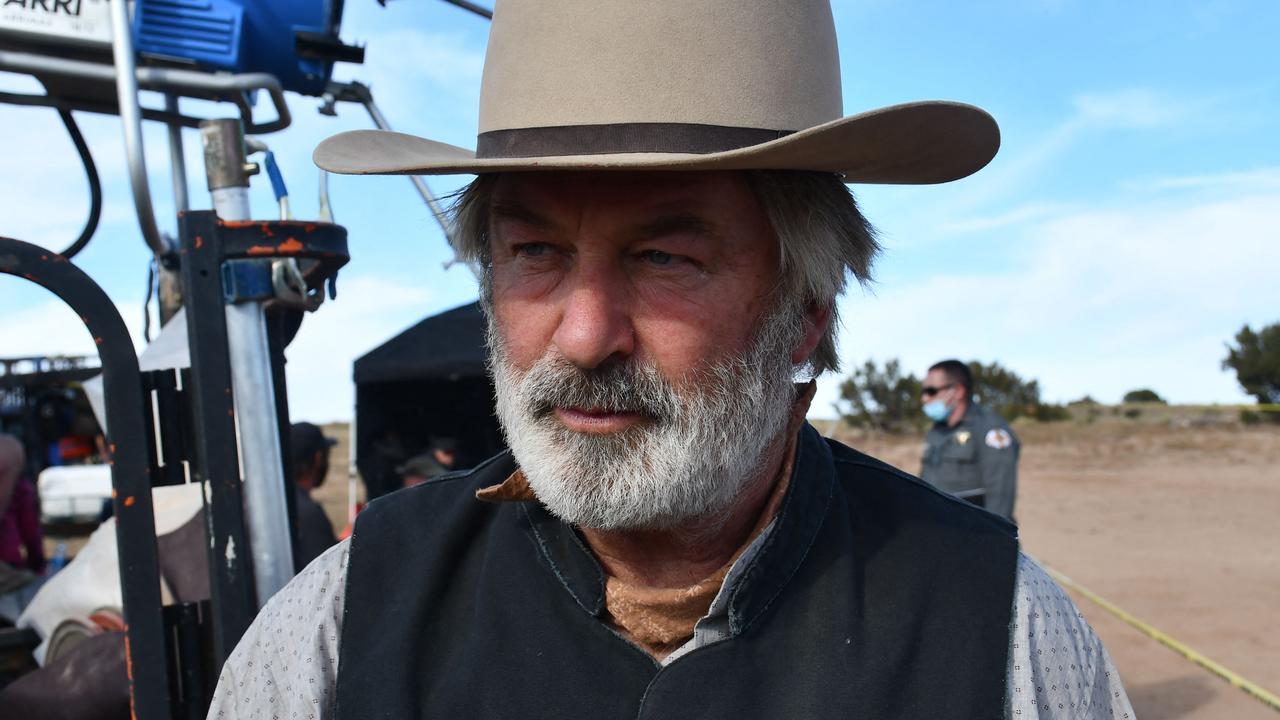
{"type": "Point", "coordinates": [822, 237]}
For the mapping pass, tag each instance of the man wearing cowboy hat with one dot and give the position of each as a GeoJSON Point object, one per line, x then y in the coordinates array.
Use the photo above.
{"type": "Point", "coordinates": [663, 229]}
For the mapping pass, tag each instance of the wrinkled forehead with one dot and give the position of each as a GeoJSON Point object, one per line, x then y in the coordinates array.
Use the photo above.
{"type": "Point", "coordinates": [721, 194]}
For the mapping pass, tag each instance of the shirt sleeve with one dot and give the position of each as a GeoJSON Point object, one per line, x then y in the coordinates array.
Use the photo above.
{"type": "Point", "coordinates": [286, 665]}
{"type": "Point", "coordinates": [998, 463]}
{"type": "Point", "coordinates": [1058, 668]}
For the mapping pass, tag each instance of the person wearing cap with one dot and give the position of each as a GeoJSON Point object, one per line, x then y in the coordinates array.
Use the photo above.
{"type": "Point", "coordinates": [310, 449]}
{"type": "Point", "coordinates": [970, 451]}
{"type": "Point", "coordinates": [439, 459]}
{"type": "Point", "coordinates": [663, 228]}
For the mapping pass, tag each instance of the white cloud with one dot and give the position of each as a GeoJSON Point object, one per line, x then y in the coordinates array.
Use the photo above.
{"type": "Point", "coordinates": [1016, 216]}
{"type": "Point", "coordinates": [368, 311]}
{"type": "Point", "coordinates": [50, 327]}
{"type": "Point", "coordinates": [426, 83]}
{"type": "Point", "coordinates": [1099, 302]}
{"type": "Point", "coordinates": [1131, 108]}
{"type": "Point", "coordinates": [1250, 181]}
{"type": "Point", "coordinates": [410, 57]}
{"type": "Point", "coordinates": [1023, 159]}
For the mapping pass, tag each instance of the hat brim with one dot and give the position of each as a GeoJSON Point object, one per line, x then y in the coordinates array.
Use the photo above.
{"type": "Point", "coordinates": [912, 144]}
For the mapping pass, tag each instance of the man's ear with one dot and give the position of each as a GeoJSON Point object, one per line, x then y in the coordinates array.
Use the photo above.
{"type": "Point", "coordinates": [816, 320]}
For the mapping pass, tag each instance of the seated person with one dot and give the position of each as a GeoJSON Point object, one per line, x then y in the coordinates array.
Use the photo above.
{"type": "Point", "coordinates": [22, 561]}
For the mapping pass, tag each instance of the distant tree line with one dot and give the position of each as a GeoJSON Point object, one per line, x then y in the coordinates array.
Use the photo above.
{"type": "Point", "coordinates": [888, 400]}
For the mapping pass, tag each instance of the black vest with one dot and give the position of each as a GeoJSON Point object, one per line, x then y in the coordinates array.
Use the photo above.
{"type": "Point", "coordinates": [874, 596]}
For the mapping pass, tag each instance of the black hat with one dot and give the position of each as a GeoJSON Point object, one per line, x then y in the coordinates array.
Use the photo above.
{"type": "Point", "coordinates": [305, 440]}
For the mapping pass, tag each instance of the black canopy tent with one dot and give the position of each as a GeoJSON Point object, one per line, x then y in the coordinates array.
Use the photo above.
{"type": "Point", "coordinates": [429, 380]}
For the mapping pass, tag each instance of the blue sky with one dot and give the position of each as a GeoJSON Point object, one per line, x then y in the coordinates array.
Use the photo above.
{"type": "Point", "coordinates": [1127, 229]}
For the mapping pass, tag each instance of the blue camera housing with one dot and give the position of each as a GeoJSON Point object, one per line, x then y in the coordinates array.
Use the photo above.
{"type": "Point", "coordinates": [295, 40]}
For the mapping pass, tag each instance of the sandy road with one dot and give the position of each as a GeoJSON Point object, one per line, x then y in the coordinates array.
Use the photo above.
{"type": "Point", "coordinates": [1180, 526]}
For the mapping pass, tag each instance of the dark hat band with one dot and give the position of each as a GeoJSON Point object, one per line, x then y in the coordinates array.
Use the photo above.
{"type": "Point", "coordinates": [564, 140]}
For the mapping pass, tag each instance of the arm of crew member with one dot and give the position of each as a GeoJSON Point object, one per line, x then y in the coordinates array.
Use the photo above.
{"type": "Point", "coordinates": [999, 468]}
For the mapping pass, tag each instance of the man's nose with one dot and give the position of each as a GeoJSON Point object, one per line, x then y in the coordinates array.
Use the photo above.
{"type": "Point", "coordinates": [595, 325]}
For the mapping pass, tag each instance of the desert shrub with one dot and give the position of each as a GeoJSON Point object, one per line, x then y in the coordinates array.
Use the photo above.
{"type": "Point", "coordinates": [881, 399]}
{"type": "Point", "coordinates": [1249, 417]}
{"type": "Point", "coordinates": [1048, 412]}
{"type": "Point", "coordinates": [1004, 391]}
{"type": "Point", "coordinates": [1143, 395]}
{"type": "Point", "coordinates": [888, 400]}
{"type": "Point", "coordinates": [1256, 360]}
{"type": "Point", "coordinates": [1133, 413]}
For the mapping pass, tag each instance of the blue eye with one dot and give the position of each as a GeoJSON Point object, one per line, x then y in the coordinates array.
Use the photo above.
{"type": "Point", "coordinates": [657, 257]}
{"type": "Point", "coordinates": [532, 249]}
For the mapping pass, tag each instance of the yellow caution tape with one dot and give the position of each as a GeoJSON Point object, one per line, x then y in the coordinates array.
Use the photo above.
{"type": "Point", "coordinates": [1250, 688]}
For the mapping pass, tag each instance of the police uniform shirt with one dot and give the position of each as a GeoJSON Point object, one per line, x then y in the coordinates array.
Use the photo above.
{"type": "Point", "coordinates": [976, 460]}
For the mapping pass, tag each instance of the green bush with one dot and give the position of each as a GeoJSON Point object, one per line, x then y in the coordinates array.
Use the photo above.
{"type": "Point", "coordinates": [886, 399]}
{"type": "Point", "coordinates": [1003, 390]}
{"type": "Point", "coordinates": [880, 399]}
{"type": "Point", "coordinates": [1047, 412]}
{"type": "Point", "coordinates": [1133, 413]}
{"type": "Point", "coordinates": [1143, 396]}
{"type": "Point", "coordinates": [1256, 360]}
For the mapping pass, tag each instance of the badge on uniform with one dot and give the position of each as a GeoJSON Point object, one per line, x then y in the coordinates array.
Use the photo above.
{"type": "Point", "coordinates": [962, 437]}
{"type": "Point", "coordinates": [999, 438]}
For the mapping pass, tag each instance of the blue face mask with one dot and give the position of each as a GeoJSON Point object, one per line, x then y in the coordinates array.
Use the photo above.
{"type": "Point", "coordinates": [936, 410]}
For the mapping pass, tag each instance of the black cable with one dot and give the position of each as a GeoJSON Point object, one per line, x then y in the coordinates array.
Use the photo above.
{"type": "Point", "coordinates": [95, 185]}
{"type": "Point", "coordinates": [146, 301]}
{"type": "Point", "coordinates": [477, 9]}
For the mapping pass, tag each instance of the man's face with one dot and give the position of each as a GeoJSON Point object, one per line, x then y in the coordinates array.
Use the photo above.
{"type": "Point", "coordinates": [321, 467]}
{"type": "Point", "coordinates": [445, 457]}
{"type": "Point", "coordinates": [671, 269]}
{"type": "Point", "coordinates": [641, 356]}
{"type": "Point", "coordinates": [937, 386]}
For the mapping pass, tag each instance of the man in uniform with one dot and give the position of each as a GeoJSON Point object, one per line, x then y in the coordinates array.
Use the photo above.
{"type": "Point", "coordinates": [970, 451]}
{"type": "Point", "coordinates": [663, 228]}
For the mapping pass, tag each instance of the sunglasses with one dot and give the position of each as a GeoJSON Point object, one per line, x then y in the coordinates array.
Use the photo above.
{"type": "Point", "coordinates": [928, 391]}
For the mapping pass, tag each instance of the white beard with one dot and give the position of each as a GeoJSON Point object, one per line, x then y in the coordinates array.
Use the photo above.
{"type": "Point", "coordinates": [704, 438]}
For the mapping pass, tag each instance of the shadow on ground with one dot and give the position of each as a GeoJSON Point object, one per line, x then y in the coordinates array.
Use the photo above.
{"type": "Point", "coordinates": [1177, 698]}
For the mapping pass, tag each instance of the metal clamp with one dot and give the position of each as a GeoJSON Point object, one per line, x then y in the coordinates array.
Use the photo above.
{"type": "Point", "coordinates": [290, 287]}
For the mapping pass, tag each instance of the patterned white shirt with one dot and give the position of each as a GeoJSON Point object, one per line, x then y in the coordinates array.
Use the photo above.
{"type": "Point", "coordinates": [286, 666]}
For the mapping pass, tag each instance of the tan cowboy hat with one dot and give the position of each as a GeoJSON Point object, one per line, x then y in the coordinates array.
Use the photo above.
{"type": "Point", "coordinates": [677, 85]}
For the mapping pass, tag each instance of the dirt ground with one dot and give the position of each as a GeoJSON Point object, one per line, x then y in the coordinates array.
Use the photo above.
{"type": "Point", "coordinates": [1174, 520]}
